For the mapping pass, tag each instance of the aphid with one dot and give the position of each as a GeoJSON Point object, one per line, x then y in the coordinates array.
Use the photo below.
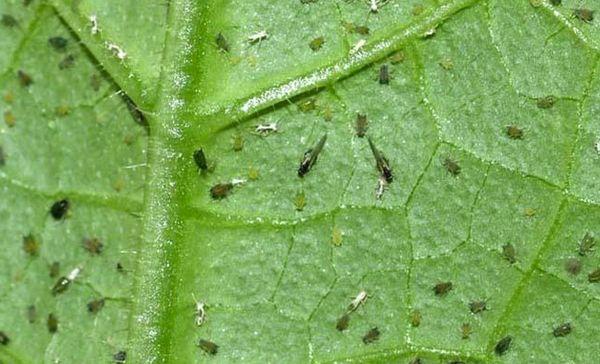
{"type": "Point", "coordinates": [573, 266]}
{"type": "Point", "coordinates": [316, 43]}
{"type": "Point", "coordinates": [556, 2]}
{"type": "Point", "coordinates": [2, 157]}
{"type": "Point", "coordinates": [594, 277]}
{"type": "Point", "coordinates": [221, 190]}
{"type": "Point", "coordinates": [529, 212]}
{"type": "Point", "coordinates": [477, 306]}
{"type": "Point", "coordinates": [503, 345]}
{"type": "Point", "coordinates": [52, 323]}
{"type": "Point", "coordinates": [120, 357]}
{"type": "Point", "coordinates": [466, 331]}
{"type": "Point", "coordinates": [31, 314]}
{"type": "Point", "coordinates": [257, 37]}
{"type": "Point", "coordinates": [307, 105]}
{"type": "Point", "coordinates": [300, 201]}
{"type": "Point", "coordinates": [9, 21]}
{"type": "Point", "coordinates": [93, 245]}
{"type": "Point", "coordinates": [383, 166]}
{"type": "Point", "coordinates": [24, 79]}
{"type": "Point", "coordinates": [535, 3]}
{"type": "Point", "coordinates": [415, 318]}
{"type": "Point", "coordinates": [371, 336]}
{"type": "Point", "coordinates": [9, 118]}
{"type": "Point", "coordinates": [120, 268]}
{"type": "Point", "coordinates": [384, 75]}
{"type": "Point", "coordinates": [417, 10]}
{"type": "Point", "coordinates": [397, 57]}
{"type": "Point", "coordinates": [447, 64]}
{"type": "Point", "coordinates": [94, 24]}
{"type": "Point", "coordinates": [199, 312]}
{"type": "Point", "coordinates": [374, 5]}
{"type": "Point", "coordinates": [583, 14]}
{"type": "Point", "coordinates": [358, 46]}
{"type": "Point", "coordinates": [67, 62]}
{"type": "Point", "coordinates": [116, 51]}
{"type": "Point", "coordinates": [336, 236]}
{"type": "Point", "coordinates": [200, 159]}
{"type": "Point", "coordinates": [509, 253]}
{"type": "Point", "coordinates": [94, 306]}
{"type": "Point", "coordinates": [134, 110]}
{"type": "Point", "coordinates": [451, 166]}
{"type": "Point", "coordinates": [238, 142]}
{"type": "Point", "coordinates": [361, 29]}
{"type": "Point", "coordinates": [381, 187]}
{"type": "Point", "coordinates": [63, 283]}
{"type": "Point", "coordinates": [442, 288]}
{"type": "Point", "coordinates": [58, 43]}
{"type": "Point", "coordinates": [360, 298]}
{"type": "Point", "coordinates": [59, 209]}
{"type": "Point", "coordinates": [266, 129]}
{"type": "Point", "coordinates": [4, 339]}
{"type": "Point", "coordinates": [208, 346]}
{"type": "Point", "coordinates": [222, 43]}
{"type": "Point", "coordinates": [95, 81]}
{"type": "Point", "coordinates": [562, 330]}
{"type": "Point", "coordinates": [62, 110]}
{"type": "Point", "coordinates": [514, 132]}
{"type": "Point", "coordinates": [253, 173]}
{"type": "Point", "coordinates": [310, 157]}
{"type": "Point", "coordinates": [327, 112]}
{"type": "Point", "coordinates": [546, 102]}
{"type": "Point", "coordinates": [54, 269]}
{"type": "Point", "coordinates": [31, 245]}
{"type": "Point", "coordinates": [343, 322]}
{"type": "Point", "coordinates": [587, 244]}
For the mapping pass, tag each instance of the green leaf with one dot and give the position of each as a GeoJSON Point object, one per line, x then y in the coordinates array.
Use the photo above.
{"type": "Point", "coordinates": [489, 124]}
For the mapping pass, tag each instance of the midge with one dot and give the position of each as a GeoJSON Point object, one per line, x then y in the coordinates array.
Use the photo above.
{"type": "Point", "coordinates": [64, 282]}
{"type": "Point", "coordinates": [310, 157]}
{"type": "Point", "coordinates": [383, 166]}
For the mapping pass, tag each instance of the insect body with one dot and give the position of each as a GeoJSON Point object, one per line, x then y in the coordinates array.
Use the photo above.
{"type": "Point", "coordinates": [583, 14]}
{"type": "Point", "coordinates": [381, 187]}
{"type": "Point", "coordinates": [442, 288]}
{"type": "Point", "coordinates": [383, 166]}
{"type": "Point", "coordinates": [503, 345]}
{"type": "Point", "coordinates": [384, 74]}
{"type": "Point", "coordinates": [360, 299]}
{"type": "Point", "coordinates": [59, 209]}
{"type": "Point", "coordinates": [200, 159]}
{"type": "Point", "coordinates": [358, 46]}
{"type": "Point", "coordinates": [64, 282]}
{"type": "Point", "coordinates": [362, 124]}
{"type": "Point", "coordinates": [587, 244]}
{"type": "Point", "coordinates": [562, 330]}
{"type": "Point", "coordinates": [371, 336]}
{"type": "Point", "coordinates": [200, 312]}
{"type": "Point", "coordinates": [310, 157]}
{"type": "Point", "coordinates": [264, 129]}
{"type": "Point", "coordinates": [374, 5]}
{"type": "Point", "coordinates": [257, 37]}
{"type": "Point", "coordinates": [208, 346]}
{"type": "Point", "coordinates": [222, 43]}
{"type": "Point", "coordinates": [343, 322]}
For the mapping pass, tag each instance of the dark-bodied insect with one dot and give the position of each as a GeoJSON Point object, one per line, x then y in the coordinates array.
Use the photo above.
{"type": "Point", "coordinates": [555, 2]}
{"type": "Point", "coordinates": [416, 361]}
{"type": "Point", "coordinates": [221, 190]}
{"type": "Point", "coordinates": [362, 124]}
{"type": "Point", "coordinates": [361, 29]}
{"type": "Point", "coordinates": [31, 245]}
{"type": "Point", "coordinates": [95, 81]}
{"type": "Point", "coordinates": [94, 306]}
{"type": "Point", "coordinates": [9, 118]}
{"type": "Point", "coordinates": [63, 283]}
{"type": "Point", "coordinates": [134, 110]}
{"type": "Point", "coordinates": [343, 322]}
{"type": "Point", "coordinates": [546, 102]}
{"type": "Point", "coordinates": [384, 74]}
{"type": "Point", "coordinates": [310, 157]}
{"type": "Point", "coordinates": [583, 14]}
{"type": "Point", "coordinates": [562, 330]}
{"type": "Point", "coordinates": [586, 245]}
{"type": "Point", "coordinates": [54, 269]}
{"type": "Point", "coordinates": [2, 157]}
{"type": "Point", "coordinates": [24, 79]}
{"type": "Point", "coordinates": [442, 288]}
{"type": "Point", "coordinates": [120, 357]}
{"type": "Point", "coordinates": [31, 314]}
{"type": "Point", "coordinates": [9, 21]}
{"type": "Point", "coordinates": [222, 43]}
{"type": "Point", "coordinates": [465, 331]}
{"type": "Point", "coordinates": [200, 159]}
{"type": "Point", "coordinates": [509, 253]}
{"type": "Point", "coordinates": [415, 318]}
{"type": "Point", "coordinates": [67, 62]}
{"type": "Point", "coordinates": [59, 209]}
{"type": "Point", "coordinates": [371, 336]}
{"type": "Point", "coordinates": [451, 166]}
{"type": "Point", "coordinates": [383, 166]}
{"type": "Point", "coordinates": [58, 43]}
{"type": "Point", "coordinates": [594, 277]}
{"type": "Point", "coordinates": [573, 266]}
{"type": "Point", "coordinates": [503, 345]}
{"type": "Point", "coordinates": [4, 339]}
{"type": "Point", "coordinates": [120, 268]}
{"type": "Point", "coordinates": [52, 323]}
{"type": "Point", "coordinates": [208, 346]}
{"type": "Point", "coordinates": [93, 245]}
{"type": "Point", "coordinates": [316, 43]}
{"type": "Point", "coordinates": [514, 132]}
{"type": "Point", "coordinates": [477, 306]}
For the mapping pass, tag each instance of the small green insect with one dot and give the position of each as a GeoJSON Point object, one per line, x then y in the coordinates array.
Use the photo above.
{"type": "Point", "coordinates": [31, 245]}
{"type": "Point", "coordinates": [310, 157]}
{"type": "Point", "coordinates": [222, 43]}
{"type": "Point", "coordinates": [397, 57]}
{"type": "Point", "coordinates": [24, 79]}
{"type": "Point", "coordinates": [52, 323]}
{"type": "Point", "coordinates": [371, 336]}
{"type": "Point", "coordinates": [573, 266]}
{"type": "Point", "coordinates": [415, 318]}
{"type": "Point", "coordinates": [477, 306]}
{"type": "Point", "coordinates": [4, 339]}
{"type": "Point", "coordinates": [31, 314]}
{"type": "Point", "coordinates": [562, 330]}
{"type": "Point", "coordinates": [594, 277]}
{"type": "Point", "coordinates": [343, 322]}
{"type": "Point", "coordinates": [361, 29]}
{"type": "Point", "coordinates": [58, 43]}
{"type": "Point", "coordinates": [238, 142]}
{"type": "Point", "coordinates": [509, 253]}
{"type": "Point", "coordinates": [466, 331]}
{"type": "Point", "coordinates": [306, 105]}
{"type": "Point", "coordinates": [585, 15]}
{"type": "Point", "coordinates": [546, 102]}
{"type": "Point", "coordinates": [9, 21]}
{"type": "Point", "coordinates": [442, 288]}
{"type": "Point", "coordinates": [514, 132]}
{"type": "Point", "coordinates": [451, 166]}
{"type": "Point", "coordinates": [94, 306]}
{"type": "Point", "coordinates": [54, 269]}
{"type": "Point", "coordinates": [208, 347]}
{"type": "Point", "coordinates": [300, 201]}
{"type": "Point", "coordinates": [447, 64]}
{"type": "Point", "coordinates": [503, 345]}
{"type": "Point", "coordinates": [316, 44]}
{"type": "Point", "coordinates": [382, 164]}
{"type": "Point", "coordinates": [587, 244]}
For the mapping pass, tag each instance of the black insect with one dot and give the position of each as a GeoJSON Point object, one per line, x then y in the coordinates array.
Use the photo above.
{"type": "Point", "coordinates": [343, 322]}
{"type": "Point", "coordinates": [594, 277]}
{"type": "Point", "coordinates": [93, 245]}
{"type": "Point", "coordinates": [31, 314]}
{"type": "Point", "coordinates": [546, 102]}
{"type": "Point", "coordinates": [58, 43]}
{"type": "Point", "coordinates": [120, 268]}
{"type": "Point", "coordinates": [59, 209]}
{"type": "Point", "coordinates": [31, 245]}
{"type": "Point", "coordinates": [442, 288]}
{"type": "Point", "coordinates": [562, 330]}
{"type": "Point", "coordinates": [200, 159]}
{"type": "Point", "coordinates": [67, 62]}
{"type": "Point", "coordinates": [24, 79]}
{"type": "Point", "coordinates": [134, 110]}
{"type": "Point", "coordinates": [362, 124]}
{"type": "Point", "coordinates": [54, 269]}
{"type": "Point", "coordinates": [371, 336]}
{"type": "Point", "coordinates": [514, 132]}
{"type": "Point", "coordinates": [208, 346]}
{"type": "Point", "coordinates": [587, 244]}
{"type": "Point", "coordinates": [384, 75]}
{"type": "Point", "coordinates": [585, 15]}
{"type": "Point", "coordinates": [2, 157]}
{"type": "Point", "coordinates": [503, 345]}
{"type": "Point", "coordinates": [52, 323]}
{"type": "Point", "coordinates": [477, 306]}
{"type": "Point", "coordinates": [4, 339]}
{"type": "Point", "coordinates": [222, 43]}
{"type": "Point", "coordinates": [120, 357]}
{"type": "Point", "coordinates": [509, 253]}
{"type": "Point", "coordinates": [310, 157]}
{"type": "Point", "coordinates": [61, 285]}
{"type": "Point", "coordinates": [221, 190]}
{"type": "Point", "coordinates": [94, 306]}
{"type": "Point", "coordinates": [556, 2]}
{"type": "Point", "coordinates": [383, 166]}
{"type": "Point", "coordinates": [451, 166]}
{"type": "Point", "coordinates": [9, 21]}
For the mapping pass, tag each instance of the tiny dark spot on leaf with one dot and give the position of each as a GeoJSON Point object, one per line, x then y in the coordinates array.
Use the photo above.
{"type": "Point", "coordinates": [384, 75]}
{"type": "Point", "coordinates": [562, 330]}
{"type": "Point", "coordinates": [222, 43]}
{"type": "Point", "coordinates": [4, 339]}
{"type": "Point", "coordinates": [220, 190]}
{"type": "Point", "coordinates": [466, 331]}
{"type": "Point", "coordinates": [200, 159]}
{"type": "Point", "coordinates": [477, 306]}
{"type": "Point", "coordinates": [442, 288]}
{"type": "Point", "coordinates": [54, 269]}
{"type": "Point", "coordinates": [583, 14]}
{"type": "Point", "coordinates": [24, 79]}
{"type": "Point", "coordinates": [415, 318]}
{"type": "Point", "coordinates": [573, 266]}
{"type": "Point", "coordinates": [371, 336]}
{"type": "Point", "coordinates": [58, 43]}
{"type": "Point", "coordinates": [9, 21]}
{"type": "Point", "coordinates": [208, 346]}
{"type": "Point", "coordinates": [343, 322]}
{"type": "Point", "coordinates": [59, 209]}
{"type": "Point", "coordinates": [67, 62]}
{"type": "Point", "coordinates": [546, 102]}
{"type": "Point", "coordinates": [96, 305]}
{"type": "Point", "coordinates": [95, 81]}
{"type": "Point", "coordinates": [451, 166]}
{"type": "Point", "coordinates": [509, 253]}
{"type": "Point", "coordinates": [587, 244]}
{"type": "Point", "coordinates": [362, 124]}
{"type": "Point", "coordinates": [31, 314]}
{"type": "Point", "coordinates": [93, 245]}
{"type": "Point", "coordinates": [594, 277]}
{"type": "Point", "coordinates": [316, 44]}
{"type": "Point", "coordinates": [31, 245]}
{"type": "Point", "coordinates": [9, 118]}
{"type": "Point", "coordinates": [120, 357]}
{"type": "Point", "coordinates": [2, 157]}
{"type": "Point", "coordinates": [514, 132]}
{"type": "Point", "coordinates": [52, 323]}
{"type": "Point", "coordinates": [503, 345]}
